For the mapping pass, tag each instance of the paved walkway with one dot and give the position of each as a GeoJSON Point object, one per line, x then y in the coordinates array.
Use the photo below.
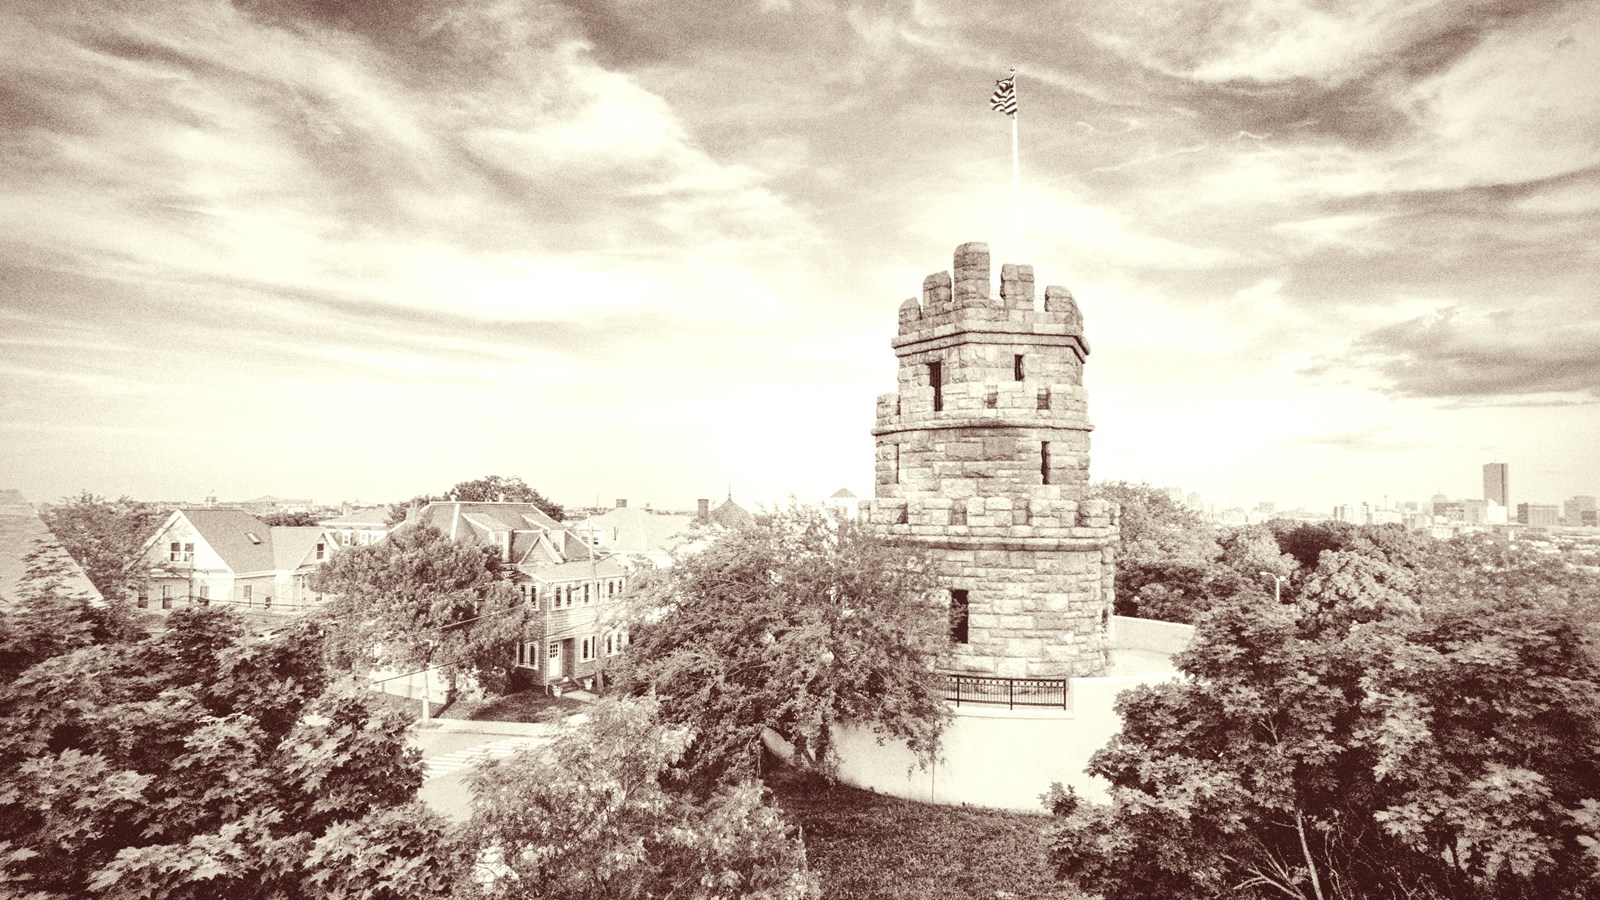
{"type": "Point", "coordinates": [455, 760]}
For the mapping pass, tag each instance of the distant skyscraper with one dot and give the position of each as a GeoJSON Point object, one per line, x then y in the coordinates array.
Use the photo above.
{"type": "Point", "coordinates": [1575, 509]}
{"type": "Point", "coordinates": [1496, 483]}
{"type": "Point", "coordinates": [1540, 515]}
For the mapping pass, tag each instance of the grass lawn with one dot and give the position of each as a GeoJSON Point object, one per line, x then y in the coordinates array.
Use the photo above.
{"type": "Point", "coordinates": [523, 706]}
{"type": "Point", "coordinates": [864, 846]}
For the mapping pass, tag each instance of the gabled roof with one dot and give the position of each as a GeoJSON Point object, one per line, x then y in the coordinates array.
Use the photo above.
{"type": "Point", "coordinates": [228, 533]}
{"type": "Point", "coordinates": [843, 494]}
{"type": "Point", "coordinates": [578, 570]}
{"type": "Point", "coordinates": [484, 519]}
{"type": "Point", "coordinates": [21, 533]}
{"type": "Point", "coordinates": [634, 530]}
{"type": "Point", "coordinates": [291, 544]}
{"type": "Point", "coordinates": [367, 515]}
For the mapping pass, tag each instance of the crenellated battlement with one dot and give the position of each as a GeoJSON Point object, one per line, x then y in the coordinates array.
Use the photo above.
{"type": "Point", "coordinates": [1040, 521]}
{"type": "Point", "coordinates": [983, 458]}
{"type": "Point", "coordinates": [962, 303]}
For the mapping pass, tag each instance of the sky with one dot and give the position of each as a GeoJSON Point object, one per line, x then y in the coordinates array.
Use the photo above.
{"type": "Point", "coordinates": [1325, 251]}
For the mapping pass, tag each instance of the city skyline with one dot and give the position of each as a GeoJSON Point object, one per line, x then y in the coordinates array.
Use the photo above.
{"type": "Point", "coordinates": [368, 250]}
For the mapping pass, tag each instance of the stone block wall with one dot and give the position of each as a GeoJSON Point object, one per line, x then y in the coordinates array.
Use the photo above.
{"type": "Point", "coordinates": [983, 457]}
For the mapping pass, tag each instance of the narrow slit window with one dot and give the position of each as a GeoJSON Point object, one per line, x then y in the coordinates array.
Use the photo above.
{"type": "Point", "coordinates": [958, 616]}
{"type": "Point", "coordinates": [1016, 366]}
{"type": "Point", "coordinates": [1044, 461]}
{"type": "Point", "coordinates": [958, 513]}
{"type": "Point", "coordinates": [936, 381]}
{"type": "Point", "coordinates": [1044, 398]}
{"type": "Point", "coordinates": [896, 463]}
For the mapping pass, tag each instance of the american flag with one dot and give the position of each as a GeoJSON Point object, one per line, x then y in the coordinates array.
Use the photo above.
{"type": "Point", "coordinates": [1004, 98]}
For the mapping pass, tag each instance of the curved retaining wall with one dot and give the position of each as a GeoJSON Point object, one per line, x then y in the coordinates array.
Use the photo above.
{"type": "Point", "coordinates": [1001, 758]}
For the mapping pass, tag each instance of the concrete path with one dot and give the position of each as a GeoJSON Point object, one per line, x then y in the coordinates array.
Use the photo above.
{"type": "Point", "coordinates": [454, 761]}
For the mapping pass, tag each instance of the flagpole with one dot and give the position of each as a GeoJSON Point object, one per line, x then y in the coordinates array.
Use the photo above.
{"type": "Point", "coordinates": [1016, 183]}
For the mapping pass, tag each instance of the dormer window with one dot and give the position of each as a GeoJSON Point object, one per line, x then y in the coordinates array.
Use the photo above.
{"type": "Point", "coordinates": [322, 550]}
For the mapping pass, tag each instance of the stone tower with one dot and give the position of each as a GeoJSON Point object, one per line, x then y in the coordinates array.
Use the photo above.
{"type": "Point", "coordinates": [982, 458]}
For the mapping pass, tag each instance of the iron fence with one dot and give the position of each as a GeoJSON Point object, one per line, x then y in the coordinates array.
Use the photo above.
{"type": "Point", "coordinates": [993, 690]}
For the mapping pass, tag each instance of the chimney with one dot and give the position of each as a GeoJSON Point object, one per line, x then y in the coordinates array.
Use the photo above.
{"type": "Point", "coordinates": [705, 511]}
{"type": "Point", "coordinates": [622, 503]}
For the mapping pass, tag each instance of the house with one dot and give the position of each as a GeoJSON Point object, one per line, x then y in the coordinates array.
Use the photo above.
{"type": "Point", "coordinates": [359, 527]}
{"type": "Point", "coordinates": [575, 588]}
{"type": "Point", "coordinates": [23, 533]}
{"type": "Point", "coordinates": [229, 556]}
{"type": "Point", "coordinates": [844, 504]}
{"type": "Point", "coordinates": [728, 514]}
{"type": "Point", "coordinates": [638, 535]}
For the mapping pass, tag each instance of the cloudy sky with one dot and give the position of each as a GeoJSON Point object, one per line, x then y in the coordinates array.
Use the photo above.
{"type": "Point", "coordinates": [1325, 251]}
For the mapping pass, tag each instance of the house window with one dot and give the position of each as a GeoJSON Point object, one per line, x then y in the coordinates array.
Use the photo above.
{"type": "Point", "coordinates": [144, 598]}
{"type": "Point", "coordinates": [322, 550]}
{"type": "Point", "coordinates": [205, 595]}
{"type": "Point", "coordinates": [586, 595]}
{"type": "Point", "coordinates": [958, 616]}
{"type": "Point", "coordinates": [266, 602]}
{"type": "Point", "coordinates": [1016, 366]}
{"type": "Point", "coordinates": [179, 552]}
{"type": "Point", "coordinates": [611, 648]}
{"type": "Point", "coordinates": [588, 649]}
{"type": "Point", "coordinates": [936, 381]}
{"type": "Point", "coordinates": [249, 591]}
{"type": "Point", "coordinates": [166, 596]}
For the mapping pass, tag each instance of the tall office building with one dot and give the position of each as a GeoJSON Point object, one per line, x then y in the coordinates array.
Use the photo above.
{"type": "Point", "coordinates": [1496, 483]}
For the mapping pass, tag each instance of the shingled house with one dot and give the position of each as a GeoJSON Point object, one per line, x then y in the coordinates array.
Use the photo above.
{"type": "Point", "coordinates": [575, 588]}
{"type": "Point", "coordinates": [23, 533]}
{"type": "Point", "coordinates": [216, 555]}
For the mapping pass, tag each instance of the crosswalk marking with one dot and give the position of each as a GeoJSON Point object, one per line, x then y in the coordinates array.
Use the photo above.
{"type": "Point", "coordinates": [453, 762]}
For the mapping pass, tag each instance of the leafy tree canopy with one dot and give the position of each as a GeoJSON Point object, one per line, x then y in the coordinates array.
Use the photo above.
{"type": "Point", "coordinates": [205, 762]}
{"type": "Point", "coordinates": [488, 489]}
{"type": "Point", "coordinates": [596, 815]}
{"type": "Point", "coordinates": [105, 537]}
{"type": "Point", "coordinates": [419, 597]}
{"type": "Point", "coordinates": [1422, 722]}
{"type": "Point", "coordinates": [290, 518]}
{"type": "Point", "coordinates": [798, 624]}
{"type": "Point", "coordinates": [509, 489]}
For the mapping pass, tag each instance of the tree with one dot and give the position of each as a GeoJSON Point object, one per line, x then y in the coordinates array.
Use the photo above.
{"type": "Point", "coordinates": [300, 519]}
{"type": "Point", "coordinates": [207, 762]}
{"type": "Point", "coordinates": [48, 617]}
{"type": "Point", "coordinates": [799, 624]}
{"type": "Point", "coordinates": [492, 488]}
{"type": "Point", "coordinates": [1391, 735]}
{"type": "Point", "coordinates": [596, 815]}
{"type": "Point", "coordinates": [1160, 541]}
{"type": "Point", "coordinates": [420, 598]}
{"type": "Point", "coordinates": [105, 537]}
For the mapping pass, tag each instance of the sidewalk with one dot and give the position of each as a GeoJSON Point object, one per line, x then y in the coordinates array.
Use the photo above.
{"type": "Point", "coordinates": [478, 726]}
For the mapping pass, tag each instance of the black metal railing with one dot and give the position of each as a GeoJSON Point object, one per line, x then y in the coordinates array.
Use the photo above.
{"type": "Point", "coordinates": [992, 690]}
